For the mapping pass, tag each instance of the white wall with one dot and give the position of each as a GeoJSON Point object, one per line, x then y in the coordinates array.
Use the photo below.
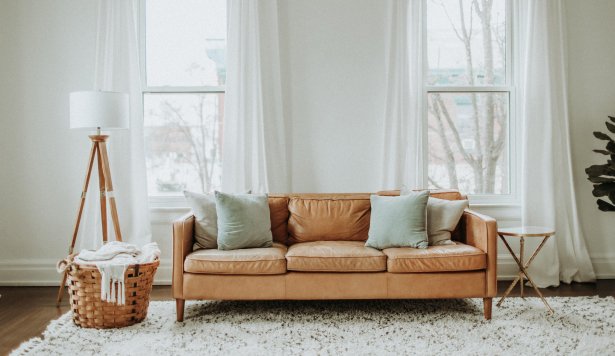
{"type": "Point", "coordinates": [333, 68]}
{"type": "Point", "coordinates": [46, 51]}
{"type": "Point", "coordinates": [591, 90]}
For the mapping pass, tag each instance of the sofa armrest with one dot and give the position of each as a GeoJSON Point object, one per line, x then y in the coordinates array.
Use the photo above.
{"type": "Point", "coordinates": [183, 239]}
{"type": "Point", "coordinates": [481, 231]}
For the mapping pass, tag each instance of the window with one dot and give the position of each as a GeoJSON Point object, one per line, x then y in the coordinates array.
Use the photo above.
{"type": "Point", "coordinates": [468, 97]}
{"type": "Point", "coordinates": [184, 70]}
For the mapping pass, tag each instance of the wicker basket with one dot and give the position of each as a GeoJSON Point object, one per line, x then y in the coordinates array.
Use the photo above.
{"type": "Point", "coordinates": [89, 311]}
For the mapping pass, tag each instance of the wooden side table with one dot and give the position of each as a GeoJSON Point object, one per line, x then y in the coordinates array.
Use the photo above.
{"type": "Point", "coordinates": [521, 233]}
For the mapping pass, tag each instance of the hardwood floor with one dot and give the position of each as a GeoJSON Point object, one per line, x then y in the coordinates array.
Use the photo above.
{"type": "Point", "coordinates": [26, 311]}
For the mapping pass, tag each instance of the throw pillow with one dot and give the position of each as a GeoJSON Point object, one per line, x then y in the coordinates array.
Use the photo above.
{"type": "Point", "coordinates": [243, 221]}
{"type": "Point", "coordinates": [442, 218]}
{"type": "Point", "coordinates": [398, 221]}
{"type": "Point", "coordinates": [203, 207]}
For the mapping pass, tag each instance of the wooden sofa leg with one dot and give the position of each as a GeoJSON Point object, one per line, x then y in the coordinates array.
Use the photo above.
{"type": "Point", "coordinates": [179, 304]}
{"type": "Point", "coordinates": [487, 303]}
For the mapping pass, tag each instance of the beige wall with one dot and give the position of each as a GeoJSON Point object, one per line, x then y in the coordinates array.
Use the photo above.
{"type": "Point", "coordinates": [333, 67]}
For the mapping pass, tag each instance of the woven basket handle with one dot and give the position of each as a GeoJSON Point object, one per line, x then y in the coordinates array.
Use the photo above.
{"type": "Point", "coordinates": [65, 264]}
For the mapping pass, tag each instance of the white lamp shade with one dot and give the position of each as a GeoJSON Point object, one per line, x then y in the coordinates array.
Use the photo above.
{"type": "Point", "coordinates": [99, 109]}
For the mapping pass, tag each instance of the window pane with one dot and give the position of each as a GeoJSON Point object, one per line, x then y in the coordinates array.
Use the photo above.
{"type": "Point", "coordinates": [183, 135]}
{"type": "Point", "coordinates": [466, 41]}
{"type": "Point", "coordinates": [468, 142]}
{"type": "Point", "coordinates": [185, 42]}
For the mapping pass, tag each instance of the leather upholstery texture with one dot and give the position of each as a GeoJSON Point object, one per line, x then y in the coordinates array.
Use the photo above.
{"type": "Point", "coordinates": [183, 239]}
{"type": "Point", "coordinates": [446, 258]}
{"type": "Point", "coordinates": [332, 217]}
{"type": "Point", "coordinates": [327, 285]}
{"type": "Point", "coordinates": [481, 231]}
{"type": "Point", "coordinates": [440, 194]}
{"type": "Point", "coordinates": [335, 256]}
{"type": "Point", "coordinates": [330, 285]}
{"type": "Point", "coordinates": [278, 211]}
{"type": "Point", "coordinates": [268, 260]}
{"type": "Point", "coordinates": [234, 287]}
{"type": "Point", "coordinates": [327, 258]}
{"type": "Point", "coordinates": [469, 284]}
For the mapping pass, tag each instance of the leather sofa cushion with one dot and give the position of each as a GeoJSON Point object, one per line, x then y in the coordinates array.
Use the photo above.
{"type": "Point", "coordinates": [328, 217]}
{"type": "Point", "coordinates": [335, 256]}
{"type": "Point", "coordinates": [267, 260]}
{"type": "Point", "coordinates": [278, 213]}
{"type": "Point", "coordinates": [446, 258]}
{"type": "Point", "coordinates": [435, 193]}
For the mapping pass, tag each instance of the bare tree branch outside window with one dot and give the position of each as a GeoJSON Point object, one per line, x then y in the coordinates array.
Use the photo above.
{"type": "Point", "coordinates": [467, 129]}
{"type": "Point", "coordinates": [185, 66]}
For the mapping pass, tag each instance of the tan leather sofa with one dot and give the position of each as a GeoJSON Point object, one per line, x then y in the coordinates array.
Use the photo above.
{"type": "Point", "coordinates": [319, 253]}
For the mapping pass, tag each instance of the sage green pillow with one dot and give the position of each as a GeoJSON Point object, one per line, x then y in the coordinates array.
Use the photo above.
{"type": "Point", "coordinates": [243, 221]}
{"type": "Point", "coordinates": [398, 221]}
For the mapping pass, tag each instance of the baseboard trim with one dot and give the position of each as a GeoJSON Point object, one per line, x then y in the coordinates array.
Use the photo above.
{"type": "Point", "coordinates": [604, 266]}
{"type": "Point", "coordinates": [42, 272]}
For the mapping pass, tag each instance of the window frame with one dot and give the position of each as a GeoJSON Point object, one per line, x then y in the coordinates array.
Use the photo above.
{"type": "Point", "coordinates": [163, 201]}
{"type": "Point", "coordinates": [514, 123]}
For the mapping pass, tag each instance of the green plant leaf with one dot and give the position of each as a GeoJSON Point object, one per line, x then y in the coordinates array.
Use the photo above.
{"type": "Point", "coordinates": [598, 170]}
{"type": "Point", "coordinates": [601, 179]}
{"type": "Point", "coordinates": [603, 189]}
{"type": "Point", "coordinates": [602, 136]}
{"type": "Point", "coordinates": [603, 175]}
{"type": "Point", "coordinates": [604, 206]}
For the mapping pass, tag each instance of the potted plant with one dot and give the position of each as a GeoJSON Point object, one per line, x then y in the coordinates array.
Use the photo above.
{"type": "Point", "coordinates": [603, 175]}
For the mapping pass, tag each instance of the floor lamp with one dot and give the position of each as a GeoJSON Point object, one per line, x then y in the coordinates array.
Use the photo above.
{"type": "Point", "coordinates": [97, 110]}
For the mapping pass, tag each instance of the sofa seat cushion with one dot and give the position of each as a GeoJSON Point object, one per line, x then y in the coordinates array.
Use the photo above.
{"type": "Point", "coordinates": [335, 256]}
{"type": "Point", "coordinates": [446, 258]}
{"type": "Point", "coordinates": [265, 260]}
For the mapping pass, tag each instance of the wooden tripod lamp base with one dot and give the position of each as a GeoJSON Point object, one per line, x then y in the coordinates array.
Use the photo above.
{"type": "Point", "coordinates": [98, 152]}
{"type": "Point", "coordinates": [93, 110]}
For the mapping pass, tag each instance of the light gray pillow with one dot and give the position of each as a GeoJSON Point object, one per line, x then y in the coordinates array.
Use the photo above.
{"type": "Point", "coordinates": [442, 218]}
{"type": "Point", "coordinates": [243, 221]}
{"type": "Point", "coordinates": [398, 221]}
{"type": "Point", "coordinates": [203, 207]}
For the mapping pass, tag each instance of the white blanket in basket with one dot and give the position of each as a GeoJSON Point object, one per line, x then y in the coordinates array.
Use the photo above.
{"type": "Point", "coordinates": [112, 260]}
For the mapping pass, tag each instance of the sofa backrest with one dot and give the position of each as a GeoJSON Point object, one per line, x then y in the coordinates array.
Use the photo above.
{"type": "Point", "coordinates": [278, 213]}
{"type": "Point", "coordinates": [329, 217]}
{"type": "Point", "coordinates": [440, 194]}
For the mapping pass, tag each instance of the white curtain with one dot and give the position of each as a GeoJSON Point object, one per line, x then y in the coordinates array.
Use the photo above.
{"type": "Point", "coordinates": [548, 196]}
{"type": "Point", "coordinates": [254, 149]}
{"type": "Point", "coordinates": [118, 69]}
{"type": "Point", "coordinates": [403, 120]}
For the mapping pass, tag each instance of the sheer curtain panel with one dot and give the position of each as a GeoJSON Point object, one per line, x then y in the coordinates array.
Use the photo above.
{"type": "Point", "coordinates": [403, 120]}
{"type": "Point", "coordinates": [118, 69]}
{"type": "Point", "coordinates": [548, 196]}
{"type": "Point", "coordinates": [254, 145]}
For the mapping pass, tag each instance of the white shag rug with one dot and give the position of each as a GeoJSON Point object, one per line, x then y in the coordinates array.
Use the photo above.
{"type": "Point", "coordinates": [581, 325]}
